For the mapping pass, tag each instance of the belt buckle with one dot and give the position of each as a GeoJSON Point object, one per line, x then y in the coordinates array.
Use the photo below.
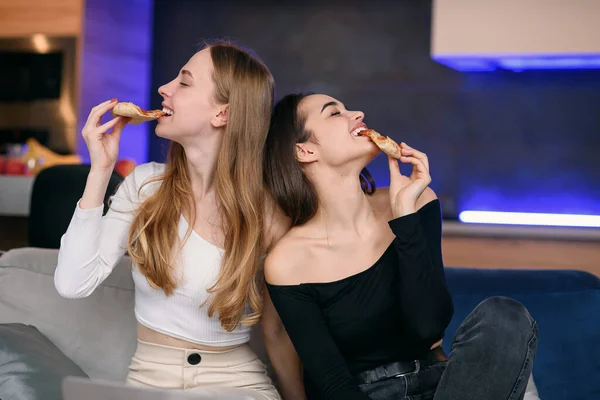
{"type": "Point", "coordinates": [417, 369]}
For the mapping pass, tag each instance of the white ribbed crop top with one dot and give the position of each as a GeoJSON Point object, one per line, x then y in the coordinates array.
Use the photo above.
{"type": "Point", "coordinates": [94, 244]}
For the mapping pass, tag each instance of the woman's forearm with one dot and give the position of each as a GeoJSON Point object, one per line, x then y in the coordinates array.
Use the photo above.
{"type": "Point", "coordinates": [287, 367]}
{"type": "Point", "coordinates": [284, 359]}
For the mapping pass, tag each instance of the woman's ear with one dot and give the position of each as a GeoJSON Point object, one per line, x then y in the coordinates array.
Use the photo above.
{"type": "Point", "coordinates": [306, 152]}
{"type": "Point", "coordinates": [221, 117]}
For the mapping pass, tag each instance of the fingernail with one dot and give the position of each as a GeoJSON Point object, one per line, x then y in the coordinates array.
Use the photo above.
{"type": "Point", "coordinates": [113, 100]}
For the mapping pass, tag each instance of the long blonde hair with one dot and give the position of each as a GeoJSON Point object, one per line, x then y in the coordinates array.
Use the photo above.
{"type": "Point", "coordinates": [245, 83]}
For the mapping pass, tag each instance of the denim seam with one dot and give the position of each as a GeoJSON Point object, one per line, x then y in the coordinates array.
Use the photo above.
{"type": "Point", "coordinates": [526, 361]}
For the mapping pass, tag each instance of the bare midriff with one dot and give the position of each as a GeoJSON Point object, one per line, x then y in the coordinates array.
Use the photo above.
{"type": "Point", "coordinates": [146, 334]}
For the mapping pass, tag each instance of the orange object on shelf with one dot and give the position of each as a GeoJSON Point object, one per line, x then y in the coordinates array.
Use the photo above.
{"type": "Point", "coordinates": [37, 157]}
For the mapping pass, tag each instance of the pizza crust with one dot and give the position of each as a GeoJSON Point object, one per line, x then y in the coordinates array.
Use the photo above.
{"type": "Point", "coordinates": [387, 145]}
{"type": "Point", "coordinates": [137, 115]}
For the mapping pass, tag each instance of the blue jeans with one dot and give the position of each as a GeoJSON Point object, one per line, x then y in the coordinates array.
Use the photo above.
{"type": "Point", "coordinates": [491, 359]}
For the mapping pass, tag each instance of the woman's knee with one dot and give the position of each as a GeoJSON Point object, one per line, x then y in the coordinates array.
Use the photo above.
{"type": "Point", "coordinates": [505, 308]}
{"type": "Point", "coordinates": [506, 318]}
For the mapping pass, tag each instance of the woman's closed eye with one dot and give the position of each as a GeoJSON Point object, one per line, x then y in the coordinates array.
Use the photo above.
{"type": "Point", "coordinates": [183, 84]}
{"type": "Point", "coordinates": [333, 114]}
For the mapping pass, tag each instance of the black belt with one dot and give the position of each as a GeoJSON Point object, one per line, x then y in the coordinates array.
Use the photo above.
{"type": "Point", "coordinates": [400, 368]}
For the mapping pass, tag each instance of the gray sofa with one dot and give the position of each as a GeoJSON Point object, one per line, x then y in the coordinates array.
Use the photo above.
{"type": "Point", "coordinates": [97, 333]}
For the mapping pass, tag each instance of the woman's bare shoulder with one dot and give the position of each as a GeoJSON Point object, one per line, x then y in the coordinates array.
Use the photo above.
{"type": "Point", "coordinates": [286, 260]}
{"type": "Point", "coordinates": [276, 224]}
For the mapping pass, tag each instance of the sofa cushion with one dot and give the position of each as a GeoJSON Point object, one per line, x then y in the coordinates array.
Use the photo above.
{"type": "Point", "coordinates": [44, 261]}
{"type": "Point", "coordinates": [31, 366]}
{"type": "Point", "coordinates": [97, 333]}
{"type": "Point", "coordinates": [566, 306]}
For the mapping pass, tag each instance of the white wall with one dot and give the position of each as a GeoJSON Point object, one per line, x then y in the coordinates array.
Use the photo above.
{"type": "Point", "coordinates": [515, 26]}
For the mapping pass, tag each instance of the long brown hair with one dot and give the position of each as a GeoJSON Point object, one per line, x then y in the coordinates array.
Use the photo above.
{"type": "Point", "coordinates": [284, 177]}
{"type": "Point", "coordinates": [246, 85]}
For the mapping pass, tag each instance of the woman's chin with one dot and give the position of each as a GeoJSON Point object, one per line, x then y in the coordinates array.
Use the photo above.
{"type": "Point", "coordinates": [364, 159]}
{"type": "Point", "coordinates": [369, 155]}
{"type": "Point", "coordinates": [161, 132]}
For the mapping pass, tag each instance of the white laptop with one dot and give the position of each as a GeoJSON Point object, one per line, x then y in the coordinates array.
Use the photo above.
{"type": "Point", "coordinates": [86, 389]}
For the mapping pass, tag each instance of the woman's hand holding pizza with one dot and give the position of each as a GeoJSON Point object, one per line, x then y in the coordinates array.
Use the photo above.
{"type": "Point", "coordinates": [405, 190]}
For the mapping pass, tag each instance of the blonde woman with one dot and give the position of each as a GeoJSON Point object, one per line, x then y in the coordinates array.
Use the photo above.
{"type": "Point", "coordinates": [195, 227]}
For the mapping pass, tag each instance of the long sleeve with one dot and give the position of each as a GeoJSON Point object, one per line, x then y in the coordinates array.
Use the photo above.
{"type": "Point", "coordinates": [323, 363]}
{"type": "Point", "coordinates": [94, 244]}
{"type": "Point", "coordinates": [425, 301]}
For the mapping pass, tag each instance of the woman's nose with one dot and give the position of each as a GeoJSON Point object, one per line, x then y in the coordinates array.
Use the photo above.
{"type": "Point", "coordinates": [163, 90]}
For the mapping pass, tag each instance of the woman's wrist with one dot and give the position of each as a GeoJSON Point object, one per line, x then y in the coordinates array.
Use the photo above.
{"type": "Point", "coordinates": [95, 188]}
{"type": "Point", "coordinates": [401, 210]}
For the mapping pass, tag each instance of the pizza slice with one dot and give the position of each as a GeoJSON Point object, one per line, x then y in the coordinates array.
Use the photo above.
{"type": "Point", "coordinates": [137, 115]}
{"type": "Point", "coordinates": [387, 145]}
